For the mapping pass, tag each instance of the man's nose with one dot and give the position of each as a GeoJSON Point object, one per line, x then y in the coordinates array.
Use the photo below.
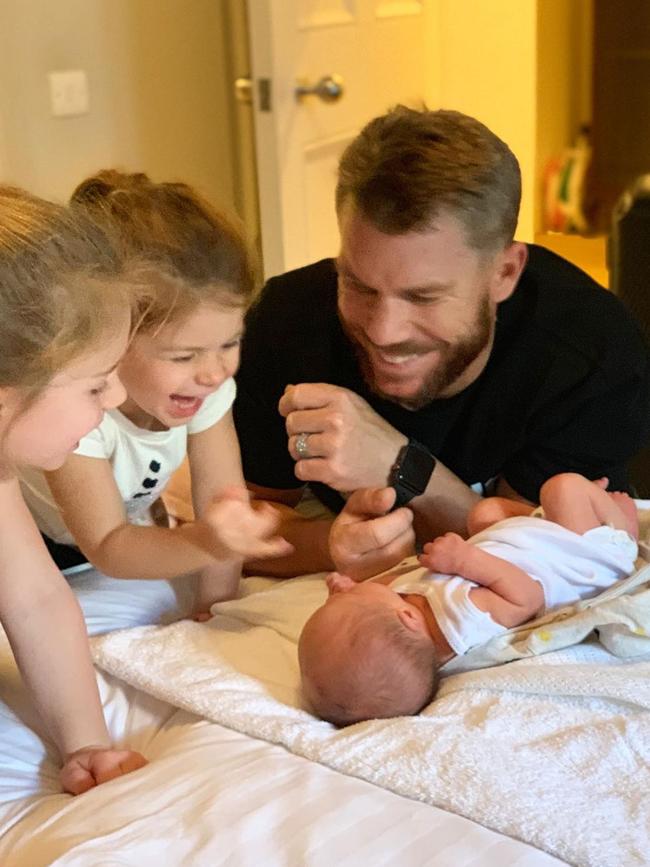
{"type": "Point", "coordinates": [388, 324]}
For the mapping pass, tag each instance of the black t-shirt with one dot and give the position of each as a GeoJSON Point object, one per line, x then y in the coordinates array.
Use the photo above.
{"type": "Point", "coordinates": [566, 387]}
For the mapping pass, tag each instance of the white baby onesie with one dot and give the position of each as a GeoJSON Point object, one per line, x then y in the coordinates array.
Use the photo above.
{"type": "Point", "coordinates": [568, 566]}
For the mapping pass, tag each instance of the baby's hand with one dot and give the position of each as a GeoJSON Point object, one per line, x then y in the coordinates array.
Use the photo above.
{"type": "Point", "coordinates": [445, 554]}
{"type": "Point", "coordinates": [239, 530]}
{"type": "Point", "coordinates": [91, 766]}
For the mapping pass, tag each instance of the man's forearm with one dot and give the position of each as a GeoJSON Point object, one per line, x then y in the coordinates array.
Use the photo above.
{"type": "Point", "coordinates": [311, 550]}
{"type": "Point", "coordinates": [443, 507]}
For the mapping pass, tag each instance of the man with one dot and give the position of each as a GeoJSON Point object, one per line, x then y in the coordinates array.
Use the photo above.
{"type": "Point", "coordinates": [436, 353]}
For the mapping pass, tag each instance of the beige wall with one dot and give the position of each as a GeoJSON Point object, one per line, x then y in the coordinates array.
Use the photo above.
{"type": "Point", "coordinates": [157, 71]}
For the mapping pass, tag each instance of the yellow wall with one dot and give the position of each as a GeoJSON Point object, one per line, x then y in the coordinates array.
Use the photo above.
{"type": "Point", "coordinates": [564, 78]}
{"type": "Point", "coordinates": [523, 68]}
{"type": "Point", "coordinates": [487, 69]}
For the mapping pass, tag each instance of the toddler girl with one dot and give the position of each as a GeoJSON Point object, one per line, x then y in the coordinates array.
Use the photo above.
{"type": "Point", "coordinates": [179, 391]}
{"type": "Point", "coordinates": [64, 324]}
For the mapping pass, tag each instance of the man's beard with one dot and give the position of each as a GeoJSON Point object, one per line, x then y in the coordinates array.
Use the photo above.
{"type": "Point", "coordinates": [453, 361]}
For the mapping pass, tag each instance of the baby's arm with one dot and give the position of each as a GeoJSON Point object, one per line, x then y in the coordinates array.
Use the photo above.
{"type": "Point", "coordinates": [48, 637]}
{"type": "Point", "coordinates": [508, 593]}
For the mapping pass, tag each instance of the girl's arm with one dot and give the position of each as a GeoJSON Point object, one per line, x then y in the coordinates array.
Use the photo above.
{"type": "Point", "coordinates": [91, 506]}
{"type": "Point", "coordinates": [508, 593]}
{"type": "Point", "coordinates": [47, 633]}
{"type": "Point", "coordinates": [215, 463]}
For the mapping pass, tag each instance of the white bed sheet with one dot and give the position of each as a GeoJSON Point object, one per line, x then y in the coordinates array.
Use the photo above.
{"type": "Point", "coordinates": [210, 796]}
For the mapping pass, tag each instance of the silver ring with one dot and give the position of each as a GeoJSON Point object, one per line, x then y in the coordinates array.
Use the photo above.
{"type": "Point", "coordinates": [302, 447]}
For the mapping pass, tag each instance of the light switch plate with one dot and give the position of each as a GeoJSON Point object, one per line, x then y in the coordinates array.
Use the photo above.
{"type": "Point", "coordinates": [69, 94]}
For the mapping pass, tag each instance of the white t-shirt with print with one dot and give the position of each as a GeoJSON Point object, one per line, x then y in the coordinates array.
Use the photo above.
{"type": "Point", "coordinates": [142, 462]}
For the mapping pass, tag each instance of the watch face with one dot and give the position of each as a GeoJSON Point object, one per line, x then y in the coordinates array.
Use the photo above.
{"type": "Point", "coordinates": [412, 476]}
{"type": "Point", "coordinates": [417, 467]}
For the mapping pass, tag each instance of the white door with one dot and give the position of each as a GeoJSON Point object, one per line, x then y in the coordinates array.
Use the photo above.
{"type": "Point", "coordinates": [381, 51]}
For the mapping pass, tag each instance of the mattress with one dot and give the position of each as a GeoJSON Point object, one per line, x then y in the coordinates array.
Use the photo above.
{"type": "Point", "coordinates": [210, 796]}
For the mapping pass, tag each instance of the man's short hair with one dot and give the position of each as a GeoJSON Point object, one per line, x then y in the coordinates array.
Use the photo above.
{"type": "Point", "coordinates": [408, 167]}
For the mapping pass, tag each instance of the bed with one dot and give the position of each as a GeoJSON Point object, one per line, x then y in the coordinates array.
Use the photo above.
{"type": "Point", "coordinates": [231, 781]}
{"type": "Point", "coordinates": [210, 795]}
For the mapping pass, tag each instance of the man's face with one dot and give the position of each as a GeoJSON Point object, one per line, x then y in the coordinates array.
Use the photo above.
{"type": "Point", "coordinates": [419, 308]}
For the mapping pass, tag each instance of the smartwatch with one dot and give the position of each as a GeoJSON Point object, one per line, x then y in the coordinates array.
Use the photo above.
{"type": "Point", "coordinates": [411, 472]}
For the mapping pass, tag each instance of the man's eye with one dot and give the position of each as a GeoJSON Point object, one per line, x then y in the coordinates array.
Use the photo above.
{"type": "Point", "coordinates": [366, 291]}
{"type": "Point", "coordinates": [182, 358]}
{"type": "Point", "coordinates": [99, 389]}
{"type": "Point", "coordinates": [423, 299]}
{"type": "Point", "coordinates": [232, 345]}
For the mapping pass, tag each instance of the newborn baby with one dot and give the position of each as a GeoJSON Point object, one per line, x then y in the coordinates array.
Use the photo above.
{"type": "Point", "coordinates": [374, 648]}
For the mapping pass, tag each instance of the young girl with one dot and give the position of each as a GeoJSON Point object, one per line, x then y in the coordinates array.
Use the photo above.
{"type": "Point", "coordinates": [64, 324]}
{"type": "Point", "coordinates": [178, 378]}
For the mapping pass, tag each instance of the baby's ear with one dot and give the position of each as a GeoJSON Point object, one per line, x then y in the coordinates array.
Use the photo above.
{"type": "Point", "coordinates": [411, 619]}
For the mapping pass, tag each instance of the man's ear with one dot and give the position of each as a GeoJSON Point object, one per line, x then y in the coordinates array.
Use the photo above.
{"type": "Point", "coordinates": [508, 265]}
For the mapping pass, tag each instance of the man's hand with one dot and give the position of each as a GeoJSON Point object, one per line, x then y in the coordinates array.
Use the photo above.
{"type": "Point", "coordinates": [365, 540]}
{"type": "Point", "coordinates": [91, 766]}
{"type": "Point", "coordinates": [349, 445]}
{"type": "Point", "coordinates": [234, 529]}
{"type": "Point", "coordinates": [445, 554]}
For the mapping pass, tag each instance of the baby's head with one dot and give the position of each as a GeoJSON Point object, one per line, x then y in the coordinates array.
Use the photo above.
{"type": "Point", "coordinates": [195, 266]}
{"type": "Point", "coordinates": [366, 654]}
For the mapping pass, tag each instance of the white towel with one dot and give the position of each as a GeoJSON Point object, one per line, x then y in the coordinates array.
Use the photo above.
{"type": "Point", "coordinates": [553, 750]}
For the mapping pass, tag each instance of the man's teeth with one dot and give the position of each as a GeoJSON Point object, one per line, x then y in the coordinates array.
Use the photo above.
{"type": "Point", "coordinates": [396, 359]}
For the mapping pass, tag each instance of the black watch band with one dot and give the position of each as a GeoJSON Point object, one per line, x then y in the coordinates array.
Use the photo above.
{"type": "Point", "coordinates": [411, 472]}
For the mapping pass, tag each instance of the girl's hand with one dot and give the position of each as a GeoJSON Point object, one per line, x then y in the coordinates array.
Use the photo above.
{"type": "Point", "coordinates": [446, 554]}
{"type": "Point", "coordinates": [239, 530]}
{"type": "Point", "coordinates": [91, 766]}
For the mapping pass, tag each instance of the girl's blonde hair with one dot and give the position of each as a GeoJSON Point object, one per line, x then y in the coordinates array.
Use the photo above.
{"type": "Point", "coordinates": [187, 252]}
{"type": "Point", "coordinates": [60, 292]}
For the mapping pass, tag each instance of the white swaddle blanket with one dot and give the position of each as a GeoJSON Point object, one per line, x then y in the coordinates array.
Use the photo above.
{"type": "Point", "coordinates": [553, 750]}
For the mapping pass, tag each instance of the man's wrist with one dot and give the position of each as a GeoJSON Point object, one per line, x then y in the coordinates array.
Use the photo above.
{"type": "Point", "coordinates": [411, 472]}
